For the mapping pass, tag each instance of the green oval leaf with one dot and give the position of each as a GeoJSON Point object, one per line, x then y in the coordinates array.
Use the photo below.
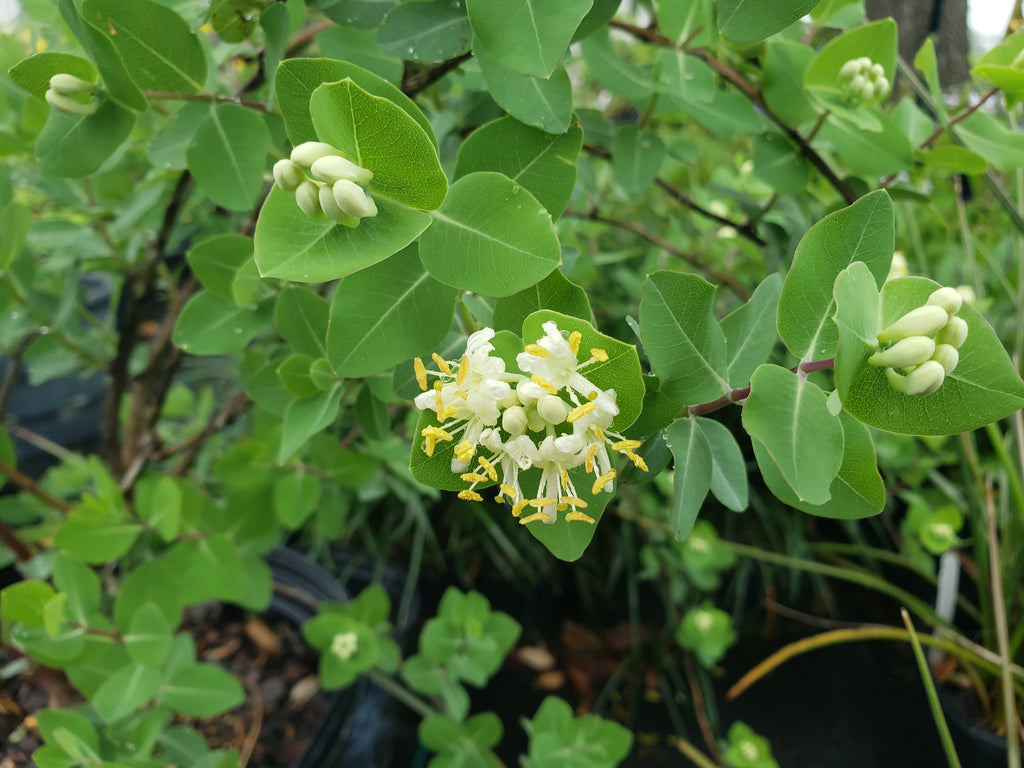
{"type": "Point", "coordinates": [691, 478]}
{"type": "Point", "coordinates": [544, 103]}
{"type": "Point", "coordinates": [490, 236]}
{"type": "Point", "coordinates": [76, 146]}
{"type": "Point", "coordinates": [747, 21]}
{"type": "Point", "coordinates": [227, 155]}
{"type": "Point", "coordinates": [426, 31]}
{"type": "Point", "coordinates": [201, 690]}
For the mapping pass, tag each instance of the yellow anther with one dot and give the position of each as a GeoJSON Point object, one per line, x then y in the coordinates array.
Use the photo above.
{"type": "Point", "coordinates": [450, 411]}
{"type": "Point", "coordinates": [472, 477]}
{"type": "Point", "coordinates": [442, 364]}
{"type": "Point", "coordinates": [580, 411]}
{"type": "Point", "coordinates": [574, 341]}
{"type": "Point", "coordinates": [593, 395]}
{"type": "Point", "coordinates": [535, 517]}
{"type": "Point", "coordinates": [428, 446]}
{"type": "Point", "coordinates": [488, 468]}
{"type": "Point", "coordinates": [439, 405]}
{"type": "Point", "coordinates": [591, 453]}
{"type": "Point", "coordinates": [599, 434]}
{"type": "Point", "coordinates": [464, 451]}
{"type": "Point", "coordinates": [508, 490]}
{"type": "Point", "coordinates": [470, 496]}
{"type": "Point", "coordinates": [599, 354]}
{"type": "Point", "coordinates": [564, 477]}
{"type": "Point", "coordinates": [500, 499]}
{"type": "Point", "coordinates": [625, 445]}
{"type": "Point", "coordinates": [562, 506]}
{"type": "Point", "coordinates": [436, 433]}
{"type": "Point", "coordinates": [544, 384]}
{"type": "Point", "coordinates": [576, 515]}
{"type": "Point", "coordinates": [536, 349]}
{"type": "Point", "coordinates": [460, 375]}
{"type": "Point", "coordinates": [640, 463]}
{"type": "Point", "coordinates": [545, 502]}
{"type": "Point", "coordinates": [575, 501]}
{"type": "Point", "coordinates": [461, 395]}
{"type": "Point", "coordinates": [602, 481]}
{"type": "Point", "coordinates": [421, 373]}
{"type": "Point", "coordinates": [519, 506]}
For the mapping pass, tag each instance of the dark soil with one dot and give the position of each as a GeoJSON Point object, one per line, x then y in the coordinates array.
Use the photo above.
{"type": "Point", "coordinates": [272, 728]}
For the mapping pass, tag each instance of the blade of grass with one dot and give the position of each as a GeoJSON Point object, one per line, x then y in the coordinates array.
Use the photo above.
{"type": "Point", "coordinates": [932, 694]}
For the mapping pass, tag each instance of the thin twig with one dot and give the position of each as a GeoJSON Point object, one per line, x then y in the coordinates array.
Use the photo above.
{"type": "Point", "coordinates": [415, 82]}
{"type": "Point", "coordinates": [736, 395]}
{"type": "Point", "coordinates": [14, 363]}
{"type": "Point", "coordinates": [211, 98]}
{"type": "Point", "coordinates": [692, 258]}
{"type": "Point", "coordinates": [753, 93]}
{"type": "Point", "coordinates": [12, 542]}
{"type": "Point", "coordinates": [234, 408]}
{"type": "Point", "coordinates": [26, 483]}
{"type": "Point", "coordinates": [253, 736]}
{"type": "Point", "coordinates": [699, 710]}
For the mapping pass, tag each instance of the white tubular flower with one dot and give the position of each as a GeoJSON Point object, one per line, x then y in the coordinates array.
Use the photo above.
{"type": "Point", "coordinates": [556, 456]}
{"type": "Point", "coordinates": [308, 152]}
{"type": "Point", "coordinates": [466, 397]}
{"type": "Point", "coordinates": [912, 350]}
{"type": "Point", "coordinates": [553, 364]}
{"type": "Point", "coordinates": [351, 198]}
{"type": "Point", "coordinates": [923, 321]}
{"type": "Point", "coordinates": [288, 175]}
{"type": "Point", "coordinates": [332, 168]}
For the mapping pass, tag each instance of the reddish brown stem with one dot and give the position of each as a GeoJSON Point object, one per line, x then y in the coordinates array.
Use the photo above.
{"type": "Point", "coordinates": [13, 543]}
{"type": "Point", "coordinates": [743, 393]}
{"type": "Point", "coordinates": [26, 483]}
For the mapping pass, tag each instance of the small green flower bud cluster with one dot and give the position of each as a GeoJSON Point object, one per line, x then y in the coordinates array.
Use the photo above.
{"type": "Point", "coordinates": [862, 80]}
{"type": "Point", "coordinates": [921, 348]}
{"type": "Point", "coordinates": [326, 184]}
{"type": "Point", "coordinates": [72, 95]}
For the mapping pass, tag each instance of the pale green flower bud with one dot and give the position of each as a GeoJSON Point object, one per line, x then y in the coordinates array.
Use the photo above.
{"type": "Point", "coordinates": [877, 72]}
{"type": "Point", "coordinates": [552, 409]}
{"type": "Point", "coordinates": [946, 356]}
{"type": "Point", "coordinates": [307, 195]}
{"type": "Point", "coordinates": [967, 293]}
{"type": "Point", "coordinates": [529, 392]}
{"type": "Point", "coordinates": [331, 168]}
{"type": "Point", "coordinates": [67, 104]}
{"type": "Point", "coordinates": [882, 88]}
{"type": "Point", "coordinates": [947, 298]}
{"type": "Point", "coordinates": [923, 321]}
{"type": "Point", "coordinates": [953, 333]}
{"type": "Point", "coordinates": [923, 380]}
{"type": "Point", "coordinates": [867, 91]}
{"type": "Point", "coordinates": [912, 350]}
{"type": "Point", "coordinates": [288, 175]}
{"type": "Point", "coordinates": [899, 266]}
{"type": "Point", "coordinates": [535, 421]}
{"type": "Point", "coordinates": [309, 152]}
{"type": "Point", "coordinates": [69, 85]}
{"type": "Point", "coordinates": [857, 84]}
{"type": "Point", "coordinates": [351, 198]}
{"type": "Point", "coordinates": [514, 421]}
{"type": "Point", "coordinates": [331, 209]}
{"type": "Point", "coordinates": [849, 69]}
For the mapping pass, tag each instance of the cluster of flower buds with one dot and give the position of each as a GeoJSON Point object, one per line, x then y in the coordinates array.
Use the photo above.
{"type": "Point", "coordinates": [326, 183]}
{"type": "Point", "coordinates": [502, 423]}
{"type": "Point", "coordinates": [862, 80]}
{"type": "Point", "coordinates": [72, 95]}
{"type": "Point", "coordinates": [920, 349]}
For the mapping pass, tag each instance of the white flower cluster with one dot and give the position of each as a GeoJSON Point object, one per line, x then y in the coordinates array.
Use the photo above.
{"type": "Point", "coordinates": [326, 183]}
{"type": "Point", "coordinates": [863, 80]}
{"type": "Point", "coordinates": [72, 95]}
{"type": "Point", "coordinates": [924, 344]}
{"type": "Point", "coordinates": [551, 418]}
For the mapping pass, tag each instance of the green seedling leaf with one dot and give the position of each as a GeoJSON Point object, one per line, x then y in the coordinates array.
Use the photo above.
{"type": "Point", "coordinates": [71, 732]}
{"type": "Point", "coordinates": [864, 231]}
{"type": "Point", "coordinates": [306, 416]}
{"type": "Point", "coordinates": [747, 21]}
{"type": "Point", "coordinates": [708, 632]}
{"type": "Point", "coordinates": [125, 692]}
{"type": "Point", "coordinates": [227, 155]}
{"type": "Point", "coordinates": [528, 36]}
{"type": "Point", "coordinates": [95, 536]}
{"type": "Point", "coordinates": [490, 236]}
{"type": "Point", "coordinates": [301, 316]}
{"type": "Point", "coordinates": [377, 318]}
{"type": "Point", "coordinates": [544, 103]}
{"type": "Point", "coordinates": [80, 584]}
{"type": "Point", "coordinates": [201, 690]}
{"type": "Point", "coordinates": [686, 347]}
{"type": "Point", "coordinates": [426, 31]}
{"type": "Point", "coordinates": [788, 416]}
{"type": "Point", "coordinates": [296, 496]}
{"type": "Point", "coordinates": [691, 478]}
{"type": "Point", "coordinates": [544, 163]}
{"type": "Point", "coordinates": [217, 262]}
{"type": "Point", "coordinates": [158, 500]}
{"type": "Point", "coordinates": [23, 602]}
{"type": "Point", "coordinates": [379, 135]}
{"type": "Point", "coordinates": [148, 640]}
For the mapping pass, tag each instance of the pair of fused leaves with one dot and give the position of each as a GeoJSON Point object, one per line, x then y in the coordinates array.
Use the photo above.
{"type": "Point", "coordinates": [487, 233]}
{"type": "Point", "coordinates": [621, 372]}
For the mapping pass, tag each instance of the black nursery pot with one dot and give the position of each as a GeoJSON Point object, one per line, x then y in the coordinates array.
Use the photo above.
{"type": "Point", "coordinates": [361, 723]}
{"type": "Point", "coordinates": [976, 747]}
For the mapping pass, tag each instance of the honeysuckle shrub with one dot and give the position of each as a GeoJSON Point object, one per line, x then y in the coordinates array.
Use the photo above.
{"type": "Point", "coordinates": [362, 253]}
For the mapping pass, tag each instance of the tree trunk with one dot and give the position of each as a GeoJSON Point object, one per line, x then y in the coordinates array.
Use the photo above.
{"type": "Point", "coordinates": [917, 19]}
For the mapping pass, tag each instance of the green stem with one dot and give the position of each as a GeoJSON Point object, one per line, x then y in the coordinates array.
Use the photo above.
{"type": "Point", "coordinates": [933, 696]}
{"type": "Point", "coordinates": [1006, 461]}
{"type": "Point", "coordinates": [697, 757]}
{"type": "Point", "coordinates": [403, 694]}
